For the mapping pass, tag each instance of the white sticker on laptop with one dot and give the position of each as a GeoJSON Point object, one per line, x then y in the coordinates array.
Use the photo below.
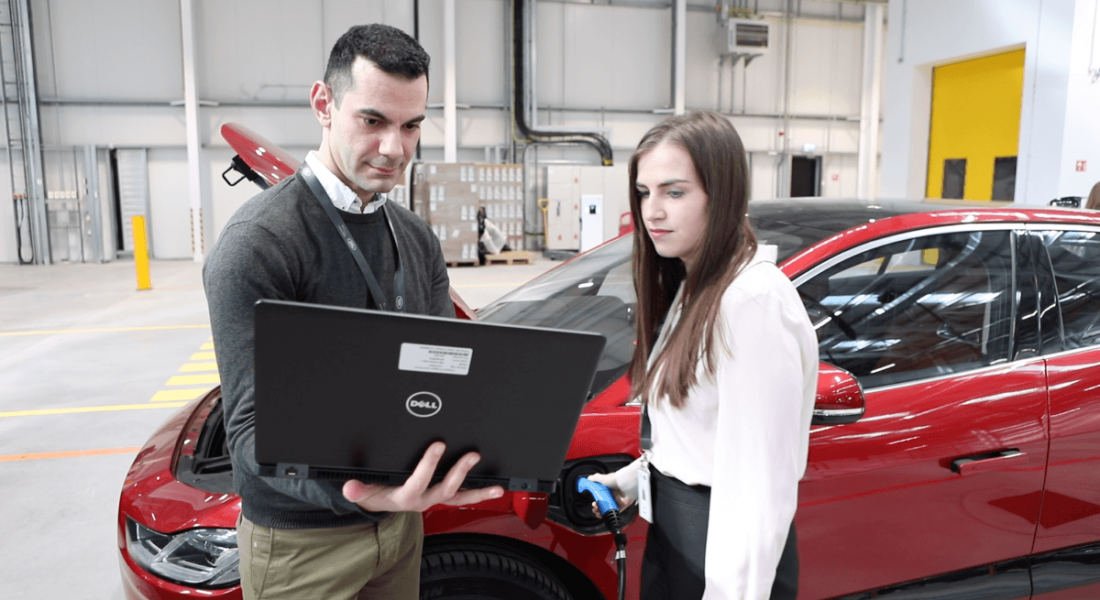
{"type": "Point", "coordinates": [447, 360]}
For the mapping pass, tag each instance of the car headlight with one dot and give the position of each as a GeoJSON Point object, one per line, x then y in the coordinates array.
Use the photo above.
{"type": "Point", "coordinates": [202, 558]}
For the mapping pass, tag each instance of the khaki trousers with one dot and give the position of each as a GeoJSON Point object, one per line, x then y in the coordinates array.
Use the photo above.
{"type": "Point", "coordinates": [375, 560]}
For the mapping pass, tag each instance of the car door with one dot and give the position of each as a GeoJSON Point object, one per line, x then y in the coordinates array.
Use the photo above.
{"type": "Point", "coordinates": [937, 487]}
{"type": "Point", "coordinates": [1067, 546]}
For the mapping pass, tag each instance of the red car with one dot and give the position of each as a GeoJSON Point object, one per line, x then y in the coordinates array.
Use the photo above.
{"type": "Point", "coordinates": [955, 451]}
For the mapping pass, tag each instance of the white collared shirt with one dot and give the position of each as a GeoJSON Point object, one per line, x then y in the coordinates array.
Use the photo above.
{"type": "Point", "coordinates": [743, 430]}
{"type": "Point", "coordinates": [340, 194]}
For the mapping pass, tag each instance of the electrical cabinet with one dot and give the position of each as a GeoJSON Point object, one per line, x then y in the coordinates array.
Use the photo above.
{"type": "Point", "coordinates": [584, 205]}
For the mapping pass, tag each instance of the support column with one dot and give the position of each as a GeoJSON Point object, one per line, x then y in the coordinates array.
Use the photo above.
{"type": "Point", "coordinates": [870, 108]}
{"type": "Point", "coordinates": [450, 114]}
{"type": "Point", "coordinates": [191, 117]}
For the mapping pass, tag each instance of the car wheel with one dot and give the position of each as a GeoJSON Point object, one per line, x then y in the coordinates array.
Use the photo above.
{"type": "Point", "coordinates": [464, 573]}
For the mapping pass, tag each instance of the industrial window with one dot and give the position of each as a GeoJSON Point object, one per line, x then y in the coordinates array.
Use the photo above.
{"type": "Point", "coordinates": [954, 178]}
{"type": "Point", "coordinates": [1004, 178]}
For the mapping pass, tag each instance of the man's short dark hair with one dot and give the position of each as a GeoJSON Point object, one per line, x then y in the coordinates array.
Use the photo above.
{"type": "Point", "coordinates": [392, 50]}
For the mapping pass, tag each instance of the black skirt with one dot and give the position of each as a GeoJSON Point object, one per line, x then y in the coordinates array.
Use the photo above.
{"type": "Point", "coordinates": [676, 550]}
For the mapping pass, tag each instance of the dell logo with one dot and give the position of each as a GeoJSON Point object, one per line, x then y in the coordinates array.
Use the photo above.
{"type": "Point", "coordinates": [423, 404]}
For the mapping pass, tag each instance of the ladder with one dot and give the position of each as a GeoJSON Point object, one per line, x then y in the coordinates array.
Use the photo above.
{"type": "Point", "coordinates": [22, 136]}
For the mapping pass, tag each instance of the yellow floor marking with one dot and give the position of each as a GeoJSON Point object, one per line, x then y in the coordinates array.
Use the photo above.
{"type": "Point", "coordinates": [211, 379]}
{"type": "Point", "coordinates": [88, 409]}
{"type": "Point", "coordinates": [103, 330]}
{"type": "Point", "coordinates": [69, 454]}
{"type": "Point", "coordinates": [199, 366]}
{"type": "Point", "coordinates": [206, 374]}
{"type": "Point", "coordinates": [186, 394]}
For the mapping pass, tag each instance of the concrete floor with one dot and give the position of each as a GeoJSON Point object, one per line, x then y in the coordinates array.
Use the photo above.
{"type": "Point", "coordinates": [89, 367]}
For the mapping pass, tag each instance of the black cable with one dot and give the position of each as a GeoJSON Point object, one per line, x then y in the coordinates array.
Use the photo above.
{"type": "Point", "coordinates": [604, 501]}
{"type": "Point", "coordinates": [614, 523]}
{"type": "Point", "coordinates": [21, 221]}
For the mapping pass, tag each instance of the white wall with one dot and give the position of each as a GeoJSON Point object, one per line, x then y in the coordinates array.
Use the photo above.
{"type": "Point", "coordinates": [1058, 101]}
{"type": "Point", "coordinates": [109, 70]}
{"type": "Point", "coordinates": [1082, 105]}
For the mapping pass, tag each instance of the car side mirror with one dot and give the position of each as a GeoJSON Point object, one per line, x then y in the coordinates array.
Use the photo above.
{"type": "Point", "coordinates": [839, 397]}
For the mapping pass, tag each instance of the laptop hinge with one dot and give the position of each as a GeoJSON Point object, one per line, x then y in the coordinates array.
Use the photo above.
{"type": "Point", "coordinates": [292, 470]}
{"type": "Point", "coordinates": [516, 484]}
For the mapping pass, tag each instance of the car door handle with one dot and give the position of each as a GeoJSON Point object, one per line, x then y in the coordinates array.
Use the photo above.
{"type": "Point", "coordinates": [985, 462]}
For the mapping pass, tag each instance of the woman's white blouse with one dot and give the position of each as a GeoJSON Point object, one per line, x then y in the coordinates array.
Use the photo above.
{"type": "Point", "coordinates": [743, 431]}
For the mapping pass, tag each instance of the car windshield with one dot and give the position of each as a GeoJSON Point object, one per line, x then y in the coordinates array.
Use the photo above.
{"type": "Point", "coordinates": [595, 292]}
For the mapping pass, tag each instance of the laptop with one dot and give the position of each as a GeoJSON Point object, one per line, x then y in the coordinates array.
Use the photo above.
{"type": "Point", "coordinates": [344, 393]}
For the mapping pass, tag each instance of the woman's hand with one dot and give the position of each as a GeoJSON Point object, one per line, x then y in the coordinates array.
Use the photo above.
{"type": "Point", "coordinates": [608, 479]}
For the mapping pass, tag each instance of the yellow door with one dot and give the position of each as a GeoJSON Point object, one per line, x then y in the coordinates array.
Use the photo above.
{"type": "Point", "coordinates": [975, 130]}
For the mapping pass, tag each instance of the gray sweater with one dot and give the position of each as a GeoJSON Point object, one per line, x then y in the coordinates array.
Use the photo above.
{"type": "Point", "coordinates": [281, 245]}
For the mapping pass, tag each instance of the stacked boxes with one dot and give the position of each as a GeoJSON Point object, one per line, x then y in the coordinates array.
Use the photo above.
{"type": "Point", "coordinates": [500, 189]}
{"type": "Point", "coordinates": [445, 196]}
{"type": "Point", "coordinates": [448, 196]}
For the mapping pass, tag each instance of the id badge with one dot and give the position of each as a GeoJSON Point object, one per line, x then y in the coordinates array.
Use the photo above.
{"type": "Point", "coordinates": [645, 502]}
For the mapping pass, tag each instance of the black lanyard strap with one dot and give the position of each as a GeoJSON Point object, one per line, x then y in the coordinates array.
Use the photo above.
{"type": "Point", "coordinates": [373, 289]}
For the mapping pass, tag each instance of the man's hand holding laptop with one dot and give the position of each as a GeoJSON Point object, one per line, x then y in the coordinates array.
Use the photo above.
{"type": "Point", "coordinates": [415, 495]}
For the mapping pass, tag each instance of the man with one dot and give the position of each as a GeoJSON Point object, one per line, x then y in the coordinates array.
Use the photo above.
{"type": "Point", "coordinates": [316, 539]}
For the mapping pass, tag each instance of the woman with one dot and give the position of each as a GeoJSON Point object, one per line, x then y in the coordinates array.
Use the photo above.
{"type": "Point", "coordinates": [726, 364]}
{"type": "Point", "coordinates": [1094, 197]}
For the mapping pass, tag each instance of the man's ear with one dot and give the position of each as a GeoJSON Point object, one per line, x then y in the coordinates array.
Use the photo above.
{"type": "Point", "coordinates": [322, 102]}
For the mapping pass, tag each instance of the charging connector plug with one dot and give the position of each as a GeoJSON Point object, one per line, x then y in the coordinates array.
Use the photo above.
{"type": "Point", "coordinates": [612, 519]}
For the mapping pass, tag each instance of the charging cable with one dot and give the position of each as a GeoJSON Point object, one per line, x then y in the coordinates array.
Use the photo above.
{"type": "Point", "coordinates": [609, 510]}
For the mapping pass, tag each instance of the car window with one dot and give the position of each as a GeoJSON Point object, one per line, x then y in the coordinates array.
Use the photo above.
{"type": "Point", "coordinates": [916, 308]}
{"type": "Point", "coordinates": [593, 292]}
{"type": "Point", "coordinates": [1075, 259]}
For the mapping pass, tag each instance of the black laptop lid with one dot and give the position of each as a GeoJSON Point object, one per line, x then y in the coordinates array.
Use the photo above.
{"type": "Point", "coordinates": [345, 393]}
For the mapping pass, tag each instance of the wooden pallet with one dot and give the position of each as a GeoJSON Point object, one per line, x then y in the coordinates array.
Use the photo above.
{"type": "Point", "coordinates": [462, 263]}
{"type": "Point", "coordinates": [514, 257]}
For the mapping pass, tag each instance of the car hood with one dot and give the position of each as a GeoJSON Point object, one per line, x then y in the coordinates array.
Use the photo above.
{"type": "Point", "coordinates": [154, 496]}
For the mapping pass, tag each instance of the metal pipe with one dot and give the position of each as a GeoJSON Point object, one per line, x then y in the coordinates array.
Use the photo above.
{"type": "Point", "coordinates": [25, 74]}
{"type": "Point", "coordinates": [506, 77]}
{"type": "Point", "coordinates": [450, 116]}
{"type": "Point", "coordinates": [784, 189]}
{"type": "Point", "coordinates": [523, 131]}
{"type": "Point", "coordinates": [459, 106]}
{"type": "Point", "coordinates": [416, 36]}
{"type": "Point", "coordinates": [718, 88]}
{"type": "Point", "coordinates": [530, 82]}
{"type": "Point", "coordinates": [679, 55]}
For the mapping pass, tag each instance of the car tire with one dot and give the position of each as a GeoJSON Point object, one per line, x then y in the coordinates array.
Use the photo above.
{"type": "Point", "coordinates": [465, 573]}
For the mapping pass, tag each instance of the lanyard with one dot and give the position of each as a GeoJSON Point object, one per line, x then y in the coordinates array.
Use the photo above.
{"type": "Point", "coordinates": [373, 289]}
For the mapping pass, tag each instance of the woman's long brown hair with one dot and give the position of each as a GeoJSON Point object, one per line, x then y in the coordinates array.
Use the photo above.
{"type": "Point", "coordinates": [1094, 197]}
{"type": "Point", "coordinates": [723, 170]}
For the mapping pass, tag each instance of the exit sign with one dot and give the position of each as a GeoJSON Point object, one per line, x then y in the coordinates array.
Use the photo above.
{"type": "Point", "coordinates": [1080, 165]}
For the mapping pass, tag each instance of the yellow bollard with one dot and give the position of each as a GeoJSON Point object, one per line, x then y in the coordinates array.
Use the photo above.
{"type": "Point", "coordinates": [544, 204]}
{"type": "Point", "coordinates": [141, 253]}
